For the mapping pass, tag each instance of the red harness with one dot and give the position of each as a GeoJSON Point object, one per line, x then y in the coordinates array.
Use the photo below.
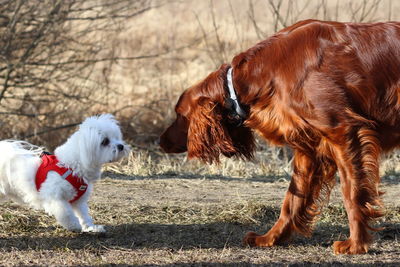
{"type": "Point", "coordinates": [49, 163]}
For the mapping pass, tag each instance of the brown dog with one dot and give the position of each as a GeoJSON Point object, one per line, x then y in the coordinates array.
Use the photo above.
{"type": "Point", "coordinates": [330, 91]}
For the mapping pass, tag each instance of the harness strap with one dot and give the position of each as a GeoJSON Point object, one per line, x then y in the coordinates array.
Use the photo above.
{"type": "Point", "coordinates": [49, 163]}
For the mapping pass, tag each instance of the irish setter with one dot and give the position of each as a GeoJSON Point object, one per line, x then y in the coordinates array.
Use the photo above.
{"type": "Point", "coordinates": [330, 91]}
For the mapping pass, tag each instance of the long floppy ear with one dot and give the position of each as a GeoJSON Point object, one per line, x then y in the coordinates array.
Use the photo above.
{"type": "Point", "coordinates": [207, 135]}
{"type": "Point", "coordinates": [88, 144]}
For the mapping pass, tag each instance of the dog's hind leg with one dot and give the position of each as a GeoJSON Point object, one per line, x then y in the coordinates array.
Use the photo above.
{"type": "Point", "coordinates": [62, 211]}
{"type": "Point", "coordinates": [358, 163]}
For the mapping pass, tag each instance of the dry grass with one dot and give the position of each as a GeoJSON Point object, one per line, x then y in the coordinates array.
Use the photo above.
{"type": "Point", "coordinates": [192, 221]}
{"type": "Point", "coordinates": [269, 163]}
{"type": "Point", "coordinates": [153, 162]}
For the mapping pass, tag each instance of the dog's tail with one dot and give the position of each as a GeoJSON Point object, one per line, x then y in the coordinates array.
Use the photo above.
{"type": "Point", "coordinates": [12, 148]}
{"type": "Point", "coordinates": [11, 152]}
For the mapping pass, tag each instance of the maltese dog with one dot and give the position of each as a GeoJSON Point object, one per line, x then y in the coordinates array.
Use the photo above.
{"type": "Point", "coordinates": [61, 183]}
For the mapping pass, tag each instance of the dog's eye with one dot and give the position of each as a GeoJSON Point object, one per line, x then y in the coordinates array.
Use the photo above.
{"type": "Point", "coordinates": [105, 142]}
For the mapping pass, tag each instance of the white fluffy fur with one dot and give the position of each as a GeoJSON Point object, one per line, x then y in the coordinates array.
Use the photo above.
{"type": "Point", "coordinates": [83, 152]}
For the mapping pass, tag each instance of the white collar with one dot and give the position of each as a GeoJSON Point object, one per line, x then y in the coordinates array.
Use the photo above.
{"type": "Point", "coordinates": [232, 94]}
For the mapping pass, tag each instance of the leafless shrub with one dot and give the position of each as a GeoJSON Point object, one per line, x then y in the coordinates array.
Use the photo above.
{"type": "Point", "coordinates": [50, 52]}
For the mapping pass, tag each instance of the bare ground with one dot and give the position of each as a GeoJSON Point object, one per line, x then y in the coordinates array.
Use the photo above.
{"type": "Point", "coordinates": [195, 221]}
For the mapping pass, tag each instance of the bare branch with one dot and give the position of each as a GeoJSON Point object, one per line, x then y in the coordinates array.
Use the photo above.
{"type": "Point", "coordinates": [51, 130]}
{"type": "Point", "coordinates": [49, 55]}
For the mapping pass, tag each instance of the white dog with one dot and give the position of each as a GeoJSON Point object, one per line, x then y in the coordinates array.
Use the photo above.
{"type": "Point", "coordinates": [63, 182]}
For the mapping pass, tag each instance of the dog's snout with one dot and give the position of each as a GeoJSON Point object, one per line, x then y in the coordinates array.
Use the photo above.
{"type": "Point", "coordinates": [120, 147]}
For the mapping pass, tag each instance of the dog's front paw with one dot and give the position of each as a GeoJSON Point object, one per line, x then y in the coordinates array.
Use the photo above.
{"type": "Point", "coordinates": [72, 226]}
{"type": "Point", "coordinates": [94, 229]}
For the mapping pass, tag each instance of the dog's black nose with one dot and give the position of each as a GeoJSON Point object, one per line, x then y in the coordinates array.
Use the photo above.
{"type": "Point", "coordinates": [120, 147]}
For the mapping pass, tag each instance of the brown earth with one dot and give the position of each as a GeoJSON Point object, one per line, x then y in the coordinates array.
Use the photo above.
{"type": "Point", "coordinates": [194, 221]}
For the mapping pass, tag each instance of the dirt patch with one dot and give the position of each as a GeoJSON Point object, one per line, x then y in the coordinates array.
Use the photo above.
{"type": "Point", "coordinates": [188, 221]}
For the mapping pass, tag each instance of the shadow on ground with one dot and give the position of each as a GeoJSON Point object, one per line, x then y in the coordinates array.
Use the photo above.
{"type": "Point", "coordinates": [173, 237]}
{"type": "Point", "coordinates": [390, 179]}
{"type": "Point", "coordinates": [191, 176]}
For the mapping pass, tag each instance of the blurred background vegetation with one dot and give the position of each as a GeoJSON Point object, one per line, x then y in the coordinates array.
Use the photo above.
{"type": "Point", "coordinates": [61, 61]}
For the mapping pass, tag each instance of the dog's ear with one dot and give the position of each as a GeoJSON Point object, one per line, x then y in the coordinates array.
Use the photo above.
{"type": "Point", "coordinates": [89, 143]}
{"type": "Point", "coordinates": [207, 135]}
{"type": "Point", "coordinates": [210, 135]}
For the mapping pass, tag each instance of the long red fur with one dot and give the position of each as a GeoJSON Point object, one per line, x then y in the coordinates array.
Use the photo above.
{"type": "Point", "coordinates": [330, 91]}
